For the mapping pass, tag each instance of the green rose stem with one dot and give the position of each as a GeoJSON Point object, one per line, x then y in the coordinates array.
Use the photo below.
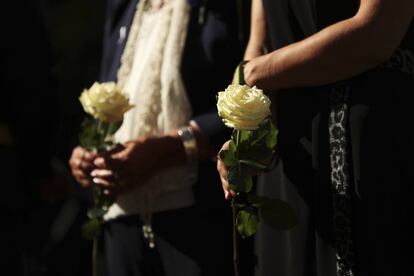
{"type": "Point", "coordinates": [233, 200]}
{"type": "Point", "coordinates": [97, 136]}
{"type": "Point", "coordinates": [96, 198]}
{"type": "Point", "coordinates": [95, 256]}
{"type": "Point", "coordinates": [235, 235]}
{"type": "Point", "coordinates": [102, 132]}
{"type": "Point", "coordinates": [235, 240]}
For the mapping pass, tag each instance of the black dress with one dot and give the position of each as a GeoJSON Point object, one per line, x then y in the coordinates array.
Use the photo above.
{"type": "Point", "coordinates": [346, 152]}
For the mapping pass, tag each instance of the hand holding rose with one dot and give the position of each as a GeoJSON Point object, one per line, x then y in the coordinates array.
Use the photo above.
{"type": "Point", "coordinates": [106, 103]}
{"type": "Point", "coordinates": [244, 109]}
{"type": "Point", "coordinates": [131, 165]}
{"type": "Point", "coordinates": [81, 164]}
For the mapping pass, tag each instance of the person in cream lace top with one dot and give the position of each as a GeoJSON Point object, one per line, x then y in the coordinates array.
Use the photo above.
{"type": "Point", "coordinates": [165, 219]}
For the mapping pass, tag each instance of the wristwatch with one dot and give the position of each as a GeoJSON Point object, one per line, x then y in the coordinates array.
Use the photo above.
{"type": "Point", "coordinates": [189, 142]}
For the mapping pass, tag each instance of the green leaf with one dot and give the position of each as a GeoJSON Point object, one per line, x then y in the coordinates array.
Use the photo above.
{"type": "Point", "coordinates": [91, 229]}
{"type": "Point", "coordinates": [255, 199]}
{"type": "Point", "coordinates": [253, 164]}
{"type": "Point", "coordinates": [108, 145]}
{"type": "Point", "coordinates": [239, 74]}
{"type": "Point", "coordinates": [106, 202]}
{"type": "Point", "coordinates": [96, 213]}
{"type": "Point", "coordinates": [89, 133]}
{"type": "Point", "coordinates": [257, 152]}
{"type": "Point", "coordinates": [244, 136]}
{"type": "Point", "coordinates": [271, 139]}
{"type": "Point", "coordinates": [113, 127]}
{"type": "Point", "coordinates": [247, 221]}
{"type": "Point", "coordinates": [241, 200]}
{"type": "Point", "coordinates": [232, 147]}
{"type": "Point", "coordinates": [228, 158]}
{"type": "Point", "coordinates": [240, 181]}
{"type": "Point", "coordinates": [259, 136]}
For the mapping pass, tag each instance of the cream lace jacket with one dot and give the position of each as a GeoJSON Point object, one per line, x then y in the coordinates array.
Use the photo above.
{"type": "Point", "coordinates": [150, 74]}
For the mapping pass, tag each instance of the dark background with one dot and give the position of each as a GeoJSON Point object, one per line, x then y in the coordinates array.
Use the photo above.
{"type": "Point", "coordinates": [50, 52]}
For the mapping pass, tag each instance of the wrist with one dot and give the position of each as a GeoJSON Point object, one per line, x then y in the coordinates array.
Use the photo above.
{"type": "Point", "coordinates": [189, 143]}
{"type": "Point", "coordinates": [166, 151]}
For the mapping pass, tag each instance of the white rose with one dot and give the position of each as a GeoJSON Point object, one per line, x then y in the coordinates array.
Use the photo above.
{"type": "Point", "coordinates": [105, 102]}
{"type": "Point", "coordinates": [242, 107]}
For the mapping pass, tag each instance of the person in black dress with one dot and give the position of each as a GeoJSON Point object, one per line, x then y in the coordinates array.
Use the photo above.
{"type": "Point", "coordinates": [342, 74]}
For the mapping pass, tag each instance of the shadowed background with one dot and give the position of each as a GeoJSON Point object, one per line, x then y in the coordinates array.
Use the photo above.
{"type": "Point", "coordinates": [50, 51]}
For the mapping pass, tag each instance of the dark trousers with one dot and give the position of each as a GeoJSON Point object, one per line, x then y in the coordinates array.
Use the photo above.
{"type": "Point", "coordinates": [187, 242]}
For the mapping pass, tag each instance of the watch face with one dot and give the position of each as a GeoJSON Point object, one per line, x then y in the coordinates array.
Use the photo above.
{"type": "Point", "coordinates": [186, 135]}
{"type": "Point", "coordinates": [189, 143]}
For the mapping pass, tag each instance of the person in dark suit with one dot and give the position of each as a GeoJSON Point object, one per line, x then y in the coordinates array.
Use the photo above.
{"type": "Point", "coordinates": [195, 238]}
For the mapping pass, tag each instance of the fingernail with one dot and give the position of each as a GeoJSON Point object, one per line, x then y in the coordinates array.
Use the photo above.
{"type": "Point", "coordinates": [94, 173]}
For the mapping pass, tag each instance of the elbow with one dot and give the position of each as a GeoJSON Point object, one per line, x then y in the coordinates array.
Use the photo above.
{"type": "Point", "coordinates": [378, 47]}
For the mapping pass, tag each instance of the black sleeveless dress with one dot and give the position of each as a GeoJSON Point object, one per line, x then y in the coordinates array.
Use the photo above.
{"type": "Point", "coordinates": [346, 154]}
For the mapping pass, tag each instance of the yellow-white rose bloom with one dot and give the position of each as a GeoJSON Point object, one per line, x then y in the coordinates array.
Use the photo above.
{"type": "Point", "coordinates": [105, 102]}
{"type": "Point", "coordinates": [242, 107]}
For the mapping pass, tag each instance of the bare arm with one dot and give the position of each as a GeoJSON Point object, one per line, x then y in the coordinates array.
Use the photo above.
{"type": "Point", "coordinates": [257, 38]}
{"type": "Point", "coordinates": [337, 52]}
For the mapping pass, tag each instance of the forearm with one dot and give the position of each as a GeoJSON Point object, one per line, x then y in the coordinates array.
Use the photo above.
{"type": "Point", "coordinates": [256, 44]}
{"type": "Point", "coordinates": [337, 52]}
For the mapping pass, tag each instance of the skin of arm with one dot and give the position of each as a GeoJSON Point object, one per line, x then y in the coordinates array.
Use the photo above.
{"type": "Point", "coordinates": [339, 51]}
{"type": "Point", "coordinates": [256, 44]}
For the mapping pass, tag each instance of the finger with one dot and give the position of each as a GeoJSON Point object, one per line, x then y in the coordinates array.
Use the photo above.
{"type": "Point", "coordinates": [108, 163]}
{"type": "Point", "coordinates": [106, 175]}
{"type": "Point", "coordinates": [78, 162]}
{"type": "Point", "coordinates": [223, 172]}
{"type": "Point", "coordinates": [74, 161]}
{"type": "Point", "coordinates": [100, 162]}
{"type": "Point", "coordinates": [78, 174]}
{"type": "Point", "coordinates": [103, 173]}
{"type": "Point", "coordinates": [106, 184]}
{"type": "Point", "coordinates": [81, 178]}
{"type": "Point", "coordinates": [79, 154]}
{"type": "Point", "coordinates": [85, 183]}
{"type": "Point", "coordinates": [231, 194]}
{"type": "Point", "coordinates": [89, 156]}
{"type": "Point", "coordinates": [78, 151]}
{"type": "Point", "coordinates": [118, 148]}
{"type": "Point", "coordinates": [86, 167]}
